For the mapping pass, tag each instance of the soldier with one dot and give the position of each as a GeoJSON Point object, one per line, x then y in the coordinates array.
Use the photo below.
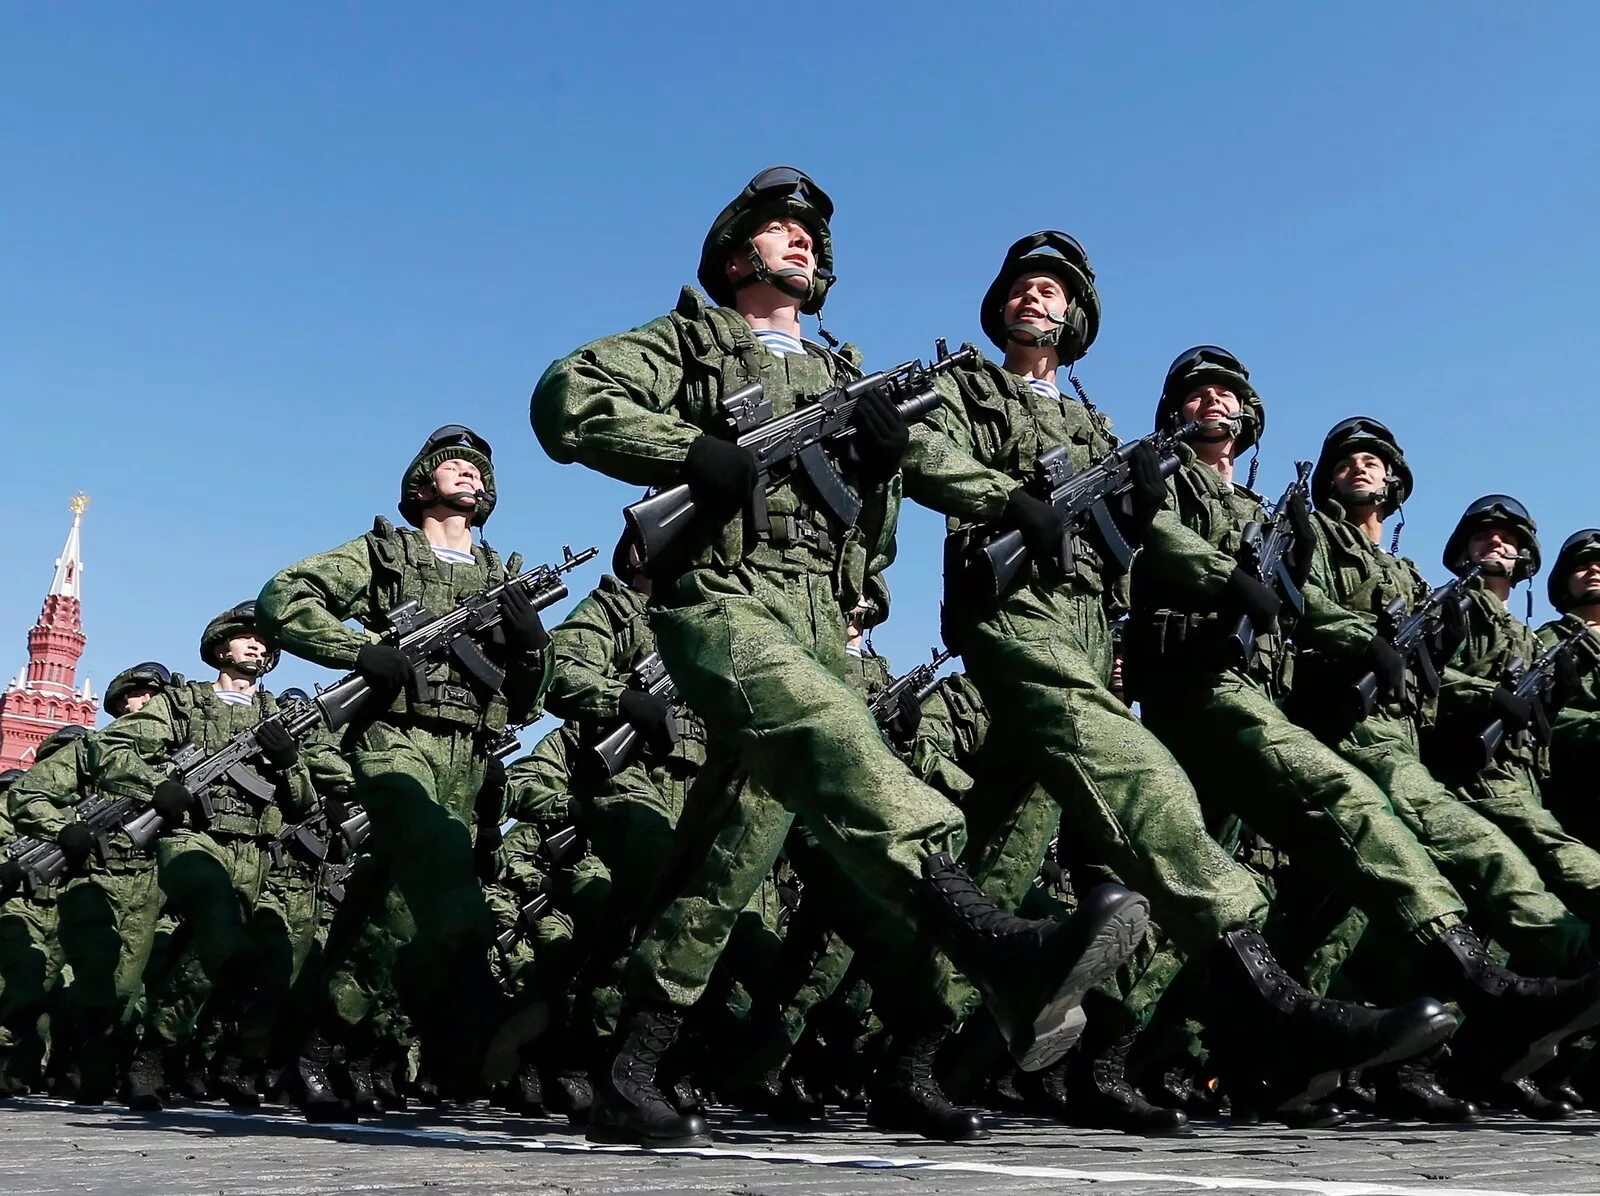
{"type": "Point", "coordinates": [1573, 588]}
{"type": "Point", "coordinates": [750, 627]}
{"type": "Point", "coordinates": [420, 752]}
{"type": "Point", "coordinates": [211, 872]}
{"type": "Point", "coordinates": [1497, 533]}
{"type": "Point", "coordinates": [1513, 1023]}
{"type": "Point", "coordinates": [107, 908]}
{"type": "Point", "coordinates": [1040, 657]}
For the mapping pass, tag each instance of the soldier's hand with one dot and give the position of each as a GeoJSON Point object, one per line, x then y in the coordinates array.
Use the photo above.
{"type": "Point", "coordinates": [524, 629]}
{"type": "Point", "coordinates": [1516, 713]}
{"type": "Point", "coordinates": [12, 876]}
{"type": "Point", "coordinates": [879, 437]}
{"type": "Point", "coordinates": [1566, 681]}
{"type": "Point", "coordinates": [1387, 665]}
{"type": "Point", "coordinates": [277, 745]}
{"type": "Point", "coordinates": [1305, 538]}
{"type": "Point", "coordinates": [721, 476]}
{"type": "Point", "coordinates": [1258, 603]}
{"type": "Point", "coordinates": [76, 843]}
{"type": "Point", "coordinates": [1043, 529]}
{"type": "Point", "coordinates": [172, 801]}
{"type": "Point", "coordinates": [905, 720]}
{"type": "Point", "coordinates": [1452, 630]}
{"type": "Point", "coordinates": [1148, 493]}
{"type": "Point", "coordinates": [646, 713]}
{"type": "Point", "coordinates": [385, 667]}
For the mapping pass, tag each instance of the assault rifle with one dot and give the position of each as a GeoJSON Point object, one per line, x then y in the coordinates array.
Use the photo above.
{"type": "Point", "coordinates": [618, 749]}
{"type": "Point", "coordinates": [1413, 637]}
{"type": "Point", "coordinates": [39, 861]}
{"type": "Point", "coordinates": [422, 637]}
{"type": "Point", "coordinates": [919, 682]}
{"type": "Point", "coordinates": [527, 918]}
{"type": "Point", "coordinates": [1264, 555]}
{"type": "Point", "coordinates": [1534, 684]}
{"type": "Point", "coordinates": [1084, 500]}
{"type": "Point", "coordinates": [308, 840]}
{"type": "Point", "coordinates": [798, 440]}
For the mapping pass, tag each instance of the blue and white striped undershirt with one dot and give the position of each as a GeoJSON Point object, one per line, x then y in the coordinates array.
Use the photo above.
{"type": "Point", "coordinates": [233, 697]}
{"type": "Point", "coordinates": [451, 556]}
{"type": "Point", "coordinates": [779, 344]}
{"type": "Point", "coordinates": [1046, 387]}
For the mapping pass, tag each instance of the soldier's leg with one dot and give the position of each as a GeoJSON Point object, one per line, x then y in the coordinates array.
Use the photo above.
{"type": "Point", "coordinates": [1507, 794]}
{"type": "Point", "coordinates": [1541, 933]}
{"type": "Point", "coordinates": [27, 935]}
{"type": "Point", "coordinates": [196, 875]}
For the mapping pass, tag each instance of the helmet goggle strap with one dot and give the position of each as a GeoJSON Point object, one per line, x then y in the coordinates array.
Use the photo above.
{"type": "Point", "coordinates": [457, 435]}
{"type": "Point", "coordinates": [1498, 504]}
{"type": "Point", "coordinates": [789, 183]}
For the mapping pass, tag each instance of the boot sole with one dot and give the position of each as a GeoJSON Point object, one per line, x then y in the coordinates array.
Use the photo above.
{"type": "Point", "coordinates": [1542, 1050]}
{"type": "Point", "coordinates": [608, 1135]}
{"type": "Point", "coordinates": [1059, 1023]}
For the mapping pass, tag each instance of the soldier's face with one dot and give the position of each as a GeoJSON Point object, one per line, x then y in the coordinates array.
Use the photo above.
{"type": "Point", "coordinates": [783, 244]}
{"type": "Point", "coordinates": [1584, 582]}
{"type": "Point", "coordinates": [1361, 473]}
{"type": "Point", "coordinates": [1036, 299]}
{"type": "Point", "coordinates": [137, 700]}
{"type": "Point", "coordinates": [1497, 549]}
{"type": "Point", "coordinates": [245, 649]}
{"type": "Point", "coordinates": [455, 481]}
{"type": "Point", "coordinates": [1211, 405]}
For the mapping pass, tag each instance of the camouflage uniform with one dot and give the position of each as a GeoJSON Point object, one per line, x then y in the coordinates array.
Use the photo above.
{"type": "Point", "coordinates": [1575, 742]}
{"type": "Point", "coordinates": [30, 961]}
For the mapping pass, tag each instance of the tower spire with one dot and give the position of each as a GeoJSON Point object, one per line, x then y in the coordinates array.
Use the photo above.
{"type": "Point", "coordinates": [69, 565]}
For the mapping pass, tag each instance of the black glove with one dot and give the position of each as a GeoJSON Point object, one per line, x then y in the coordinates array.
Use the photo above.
{"type": "Point", "coordinates": [1387, 665]}
{"type": "Point", "coordinates": [12, 876]}
{"type": "Point", "coordinates": [905, 719]}
{"type": "Point", "coordinates": [385, 667]}
{"type": "Point", "coordinates": [721, 476]}
{"type": "Point", "coordinates": [1566, 681]}
{"type": "Point", "coordinates": [1516, 713]}
{"type": "Point", "coordinates": [524, 630]}
{"type": "Point", "coordinates": [1305, 538]}
{"type": "Point", "coordinates": [277, 745]}
{"type": "Point", "coordinates": [1043, 529]}
{"type": "Point", "coordinates": [1452, 631]}
{"type": "Point", "coordinates": [1258, 603]}
{"type": "Point", "coordinates": [1148, 493]}
{"type": "Point", "coordinates": [76, 843]}
{"type": "Point", "coordinates": [646, 713]}
{"type": "Point", "coordinates": [172, 801]}
{"type": "Point", "coordinates": [879, 438]}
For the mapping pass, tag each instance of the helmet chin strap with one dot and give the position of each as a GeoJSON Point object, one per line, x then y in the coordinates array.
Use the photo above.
{"type": "Point", "coordinates": [1043, 336]}
{"type": "Point", "coordinates": [1217, 430]}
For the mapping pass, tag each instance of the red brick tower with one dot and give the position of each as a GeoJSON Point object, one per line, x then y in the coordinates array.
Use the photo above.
{"type": "Point", "coordinates": [43, 696]}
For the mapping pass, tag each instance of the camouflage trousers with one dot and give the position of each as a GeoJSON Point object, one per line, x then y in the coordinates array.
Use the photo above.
{"type": "Point", "coordinates": [108, 927]}
{"type": "Point", "coordinates": [1503, 888]}
{"type": "Point", "coordinates": [760, 657]}
{"type": "Point", "coordinates": [30, 962]}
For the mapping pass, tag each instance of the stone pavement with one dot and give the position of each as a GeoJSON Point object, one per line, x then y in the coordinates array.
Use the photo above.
{"type": "Point", "coordinates": [50, 1147]}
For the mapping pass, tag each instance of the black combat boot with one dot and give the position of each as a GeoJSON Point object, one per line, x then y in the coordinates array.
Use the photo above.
{"type": "Point", "coordinates": [236, 1079]}
{"type": "Point", "coordinates": [1513, 1023]}
{"type": "Point", "coordinates": [628, 1106]}
{"type": "Point", "coordinates": [906, 1097]}
{"type": "Point", "coordinates": [1181, 1087]}
{"type": "Point", "coordinates": [1033, 974]}
{"type": "Point", "coordinates": [98, 1052]}
{"type": "Point", "coordinates": [309, 1085]}
{"type": "Point", "coordinates": [147, 1079]}
{"type": "Point", "coordinates": [1523, 1096]}
{"type": "Point", "coordinates": [1099, 1095]}
{"type": "Point", "coordinates": [1410, 1091]}
{"type": "Point", "coordinates": [352, 1078]}
{"type": "Point", "coordinates": [1292, 1045]}
{"type": "Point", "coordinates": [571, 1095]}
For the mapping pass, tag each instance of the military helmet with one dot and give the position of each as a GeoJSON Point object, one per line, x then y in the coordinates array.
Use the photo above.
{"type": "Point", "coordinates": [1494, 510]}
{"type": "Point", "coordinates": [1577, 549]}
{"type": "Point", "coordinates": [230, 624]}
{"type": "Point", "coordinates": [776, 192]}
{"type": "Point", "coordinates": [149, 674]}
{"type": "Point", "coordinates": [1060, 255]}
{"type": "Point", "coordinates": [1202, 364]}
{"type": "Point", "coordinates": [10, 777]}
{"type": "Point", "coordinates": [59, 738]}
{"type": "Point", "coordinates": [449, 443]}
{"type": "Point", "coordinates": [1361, 434]}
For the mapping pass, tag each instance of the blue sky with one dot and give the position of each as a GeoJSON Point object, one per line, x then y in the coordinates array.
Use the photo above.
{"type": "Point", "coordinates": [253, 255]}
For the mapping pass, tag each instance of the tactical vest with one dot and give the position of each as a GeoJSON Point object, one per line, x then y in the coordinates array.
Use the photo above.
{"type": "Point", "coordinates": [721, 355]}
{"type": "Point", "coordinates": [632, 640]}
{"type": "Point", "coordinates": [868, 672]}
{"type": "Point", "coordinates": [404, 569]}
{"type": "Point", "coordinates": [200, 717]}
{"type": "Point", "coordinates": [1365, 579]}
{"type": "Point", "coordinates": [1163, 633]}
{"type": "Point", "coordinates": [1495, 640]}
{"type": "Point", "coordinates": [1012, 425]}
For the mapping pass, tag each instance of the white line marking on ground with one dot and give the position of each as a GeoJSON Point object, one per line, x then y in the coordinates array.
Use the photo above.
{"type": "Point", "coordinates": [1210, 1183]}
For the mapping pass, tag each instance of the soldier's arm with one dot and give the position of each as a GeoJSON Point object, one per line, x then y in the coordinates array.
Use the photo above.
{"type": "Point", "coordinates": [1180, 561]}
{"type": "Point", "coordinates": [528, 681]}
{"type": "Point", "coordinates": [132, 752]}
{"type": "Point", "coordinates": [1328, 626]}
{"type": "Point", "coordinates": [304, 607]}
{"type": "Point", "coordinates": [537, 785]}
{"type": "Point", "coordinates": [40, 801]}
{"type": "Point", "coordinates": [941, 470]}
{"type": "Point", "coordinates": [586, 687]}
{"type": "Point", "coordinates": [610, 406]}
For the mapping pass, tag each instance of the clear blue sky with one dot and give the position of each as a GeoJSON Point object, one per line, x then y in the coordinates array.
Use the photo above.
{"type": "Point", "coordinates": [252, 255]}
